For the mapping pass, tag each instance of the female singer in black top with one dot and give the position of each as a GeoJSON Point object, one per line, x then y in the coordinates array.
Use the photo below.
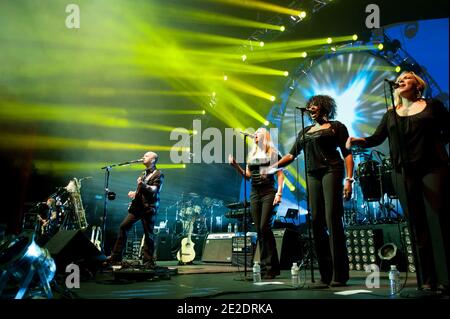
{"type": "Point", "coordinates": [264, 198]}
{"type": "Point", "coordinates": [325, 184]}
{"type": "Point", "coordinates": [418, 149]}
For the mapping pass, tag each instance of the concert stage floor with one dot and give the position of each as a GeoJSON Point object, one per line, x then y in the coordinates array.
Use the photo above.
{"type": "Point", "coordinates": [219, 281]}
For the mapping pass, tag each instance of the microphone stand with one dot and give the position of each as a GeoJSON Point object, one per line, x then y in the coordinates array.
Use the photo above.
{"type": "Point", "coordinates": [245, 206]}
{"type": "Point", "coordinates": [412, 225]}
{"type": "Point", "coordinates": [308, 213]}
{"type": "Point", "coordinates": [105, 201]}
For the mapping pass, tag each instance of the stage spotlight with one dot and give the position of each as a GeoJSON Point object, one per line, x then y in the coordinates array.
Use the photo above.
{"type": "Point", "coordinates": [225, 77]}
{"type": "Point", "coordinates": [398, 69]}
{"type": "Point", "coordinates": [380, 46]}
{"type": "Point", "coordinates": [282, 28]}
{"type": "Point", "coordinates": [355, 37]}
{"type": "Point", "coordinates": [387, 251]}
{"type": "Point", "coordinates": [304, 54]}
{"type": "Point", "coordinates": [203, 112]}
{"type": "Point", "coordinates": [272, 98]}
{"type": "Point", "coordinates": [24, 261]}
{"type": "Point", "coordinates": [286, 73]}
{"type": "Point", "coordinates": [302, 14]}
{"type": "Point", "coordinates": [261, 44]}
{"type": "Point", "coordinates": [329, 40]}
{"type": "Point", "coordinates": [244, 57]}
{"type": "Point", "coordinates": [266, 123]}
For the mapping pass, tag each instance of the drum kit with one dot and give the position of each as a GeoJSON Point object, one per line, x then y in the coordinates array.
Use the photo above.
{"type": "Point", "coordinates": [374, 197]}
{"type": "Point", "coordinates": [199, 213]}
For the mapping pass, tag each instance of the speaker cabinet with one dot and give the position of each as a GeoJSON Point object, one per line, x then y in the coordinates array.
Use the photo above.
{"type": "Point", "coordinates": [218, 248]}
{"type": "Point", "coordinates": [72, 246]}
{"type": "Point", "coordinates": [288, 247]}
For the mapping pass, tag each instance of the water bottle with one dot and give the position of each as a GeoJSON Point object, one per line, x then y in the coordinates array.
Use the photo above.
{"type": "Point", "coordinates": [394, 280]}
{"type": "Point", "coordinates": [294, 275]}
{"type": "Point", "coordinates": [229, 227]}
{"type": "Point", "coordinates": [256, 272]}
{"type": "Point", "coordinates": [236, 228]}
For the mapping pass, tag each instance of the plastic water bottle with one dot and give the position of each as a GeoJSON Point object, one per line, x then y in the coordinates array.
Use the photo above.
{"type": "Point", "coordinates": [229, 229]}
{"type": "Point", "coordinates": [256, 272]}
{"type": "Point", "coordinates": [236, 228]}
{"type": "Point", "coordinates": [294, 275]}
{"type": "Point", "coordinates": [394, 279]}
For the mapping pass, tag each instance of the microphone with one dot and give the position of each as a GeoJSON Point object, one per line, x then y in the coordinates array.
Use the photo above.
{"type": "Point", "coordinates": [246, 134]}
{"type": "Point", "coordinates": [394, 84]}
{"type": "Point", "coordinates": [131, 162]}
{"type": "Point", "coordinates": [303, 109]}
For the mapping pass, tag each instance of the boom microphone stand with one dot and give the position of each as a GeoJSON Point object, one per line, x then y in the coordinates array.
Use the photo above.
{"type": "Point", "coordinates": [310, 253]}
{"type": "Point", "coordinates": [109, 195]}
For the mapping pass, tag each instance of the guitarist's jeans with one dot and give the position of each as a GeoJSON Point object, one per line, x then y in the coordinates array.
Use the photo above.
{"type": "Point", "coordinates": [262, 209]}
{"type": "Point", "coordinates": [148, 222]}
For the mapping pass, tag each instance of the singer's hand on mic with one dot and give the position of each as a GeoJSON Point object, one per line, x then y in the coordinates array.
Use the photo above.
{"type": "Point", "coordinates": [131, 194]}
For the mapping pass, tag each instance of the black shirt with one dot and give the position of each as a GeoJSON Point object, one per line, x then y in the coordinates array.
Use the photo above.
{"type": "Point", "coordinates": [256, 164]}
{"type": "Point", "coordinates": [422, 136]}
{"type": "Point", "coordinates": [321, 147]}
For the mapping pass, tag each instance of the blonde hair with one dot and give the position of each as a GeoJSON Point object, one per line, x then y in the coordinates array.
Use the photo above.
{"type": "Point", "coordinates": [268, 146]}
{"type": "Point", "coordinates": [420, 87]}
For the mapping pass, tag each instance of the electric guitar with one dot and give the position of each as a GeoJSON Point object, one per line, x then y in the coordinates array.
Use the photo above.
{"type": "Point", "coordinates": [186, 253]}
{"type": "Point", "coordinates": [135, 205]}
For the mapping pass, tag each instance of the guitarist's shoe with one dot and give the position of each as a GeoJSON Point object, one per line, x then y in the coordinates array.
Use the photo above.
{"type": "Point", "coordinates": [149, 264]}
{"type": "Point", "coordinates": [110, 261]}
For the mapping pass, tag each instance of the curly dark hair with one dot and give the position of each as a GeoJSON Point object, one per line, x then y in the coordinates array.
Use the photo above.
{"type": "Point", "coordinates": [326, 103]}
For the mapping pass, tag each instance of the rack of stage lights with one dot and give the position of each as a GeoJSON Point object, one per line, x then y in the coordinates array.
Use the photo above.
{"type": "Point", "coordinates": [288, 22]}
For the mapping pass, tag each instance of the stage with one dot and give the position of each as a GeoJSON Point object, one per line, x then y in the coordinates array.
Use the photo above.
{"type": "Point", "coordinates": [218, 281]}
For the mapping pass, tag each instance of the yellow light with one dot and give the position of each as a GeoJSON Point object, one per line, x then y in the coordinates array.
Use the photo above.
{"type": "Point", "coordinates": [261, 44]}
{"type": "Point", "coordinates": [292, 188]}
{"type": "Point", "coordinates": [244, 57]}
{"type": "Point", "coordinates": [302, 14]}
{"type": "Point", "coordinates": [184, 165]}
{"type": "Point", "coordinates": [225, 77]}
{"type": "Point", "coordinates": [213, 94]}
{"type": "Point", "coordinates": [329, 40]}
{"type": "Point", "coordinates": [304, 54]}
{"type": "Point", "coordinates": [355, 37]}
{"type": "Point", "coordinates": [380, 46]}
{"type": "Point", "coordinates": [398, 69]}
{"type": "Point", "coordinates": [203, 112]}
{"type": "Point", "coordinates": [282, 28]}
{"type": "Point", "coordinates": [286, 73]}
{"type": "Point", "coordinates": [195, 132]}
{"type": "Point", "coordinates": [266, 123]}
{"type": "Point", "coordinates": [272, 98]}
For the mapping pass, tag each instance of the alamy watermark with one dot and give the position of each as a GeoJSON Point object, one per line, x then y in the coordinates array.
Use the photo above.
{"type": "Point", "coordinates": [212, 145]}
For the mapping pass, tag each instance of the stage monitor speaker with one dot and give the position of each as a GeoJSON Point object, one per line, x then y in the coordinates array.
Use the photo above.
{"type": "Point", "coordinates": [218, 248]}
{"type": "Point", "coordinates": [72, 246]}
{"type": "Point", "coordinates": [289, 247]}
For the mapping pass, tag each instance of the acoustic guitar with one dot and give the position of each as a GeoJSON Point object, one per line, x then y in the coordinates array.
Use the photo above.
{"type": "Point", "coordinates": [186, 253]}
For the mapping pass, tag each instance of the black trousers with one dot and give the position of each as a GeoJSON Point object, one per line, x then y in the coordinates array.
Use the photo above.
{"type": "Point", "coordinates": [147, 218]}
{"type": "Point", "coordinates": [325, 196]}
{"type": "Point", "coordinates": [426, 197]}
{"type": "Point", "coordinates": [263, 211]}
